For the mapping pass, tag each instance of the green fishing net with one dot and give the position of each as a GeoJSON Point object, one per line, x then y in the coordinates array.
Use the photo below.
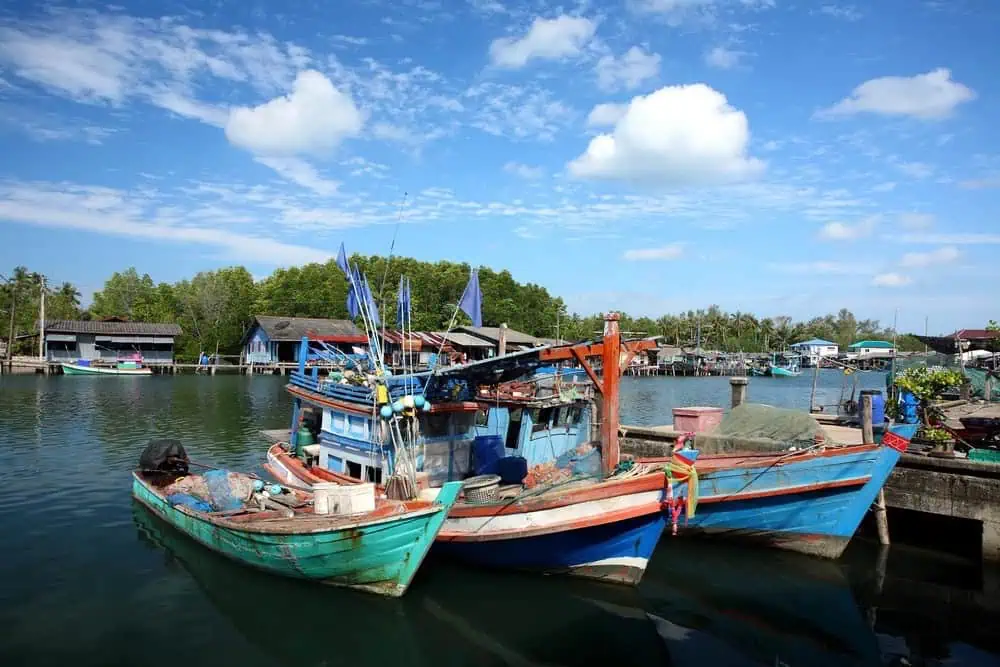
{"type": "Point", "coordinates": [760, 428]}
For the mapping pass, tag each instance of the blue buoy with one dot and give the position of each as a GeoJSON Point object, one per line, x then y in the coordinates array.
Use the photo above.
{"type": "Point", "coordinates": [275, 490]}
{"type": "Point", "coordinates": [427, 406]}
{"type": "Point", "coordinates": [418, 401]}
{"type": "Point", "coordinates": [385, 411]}
{"type": "Point", "coordinates": [397, 406]}
{"type": "Point", "coordinates": [258, 485]}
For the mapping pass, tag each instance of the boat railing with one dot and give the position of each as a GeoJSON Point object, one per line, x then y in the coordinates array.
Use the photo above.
{"type": "Point", "coordinates": [398, 387]}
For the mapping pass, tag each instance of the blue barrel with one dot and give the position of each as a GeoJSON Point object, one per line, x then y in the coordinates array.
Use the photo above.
{"type": "Point", "coordinates": [512, 469]}
{"type": "Point", "coordinates": [909, 405]}
{"type": "Point", "coordinates": [486, 451]}
{"type": "Point", "coordinates": [878, 405]}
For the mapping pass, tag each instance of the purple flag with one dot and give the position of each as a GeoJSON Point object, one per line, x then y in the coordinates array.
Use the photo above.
{"type": "Point", "coordinates": [471, 302]}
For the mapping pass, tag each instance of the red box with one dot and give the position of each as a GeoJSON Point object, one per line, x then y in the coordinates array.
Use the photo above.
{"type": "Point", "coordinates": [697, 419]}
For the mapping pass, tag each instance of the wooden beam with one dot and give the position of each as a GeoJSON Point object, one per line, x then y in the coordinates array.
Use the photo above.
{"type": "Point", "coordinates": [578, 353]}
{"type": "Point", "coordinates": [592, 350]}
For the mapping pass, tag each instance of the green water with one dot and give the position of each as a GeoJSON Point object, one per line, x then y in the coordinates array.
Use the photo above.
{"type": "Point", "coordinates": [87, 578]}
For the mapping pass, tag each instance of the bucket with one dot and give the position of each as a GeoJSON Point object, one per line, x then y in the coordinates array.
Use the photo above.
{"type": "Point", "coordinates": [321, 496]}
{"type": "Point", "coordinates": [513, 469]}
{"type": "Point", "coordinates": [878, 404]}
{"type": "Point", "coordinates": [487, 451]}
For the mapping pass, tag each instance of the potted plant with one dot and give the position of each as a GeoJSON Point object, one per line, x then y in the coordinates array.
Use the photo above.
{"type": "Point", "coordinates": [927, 385]}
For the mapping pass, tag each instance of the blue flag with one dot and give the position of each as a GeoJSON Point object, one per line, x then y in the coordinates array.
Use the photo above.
{"type": "Point", "coordinates": [370, 302]}
{"type": "Point", "coordinates": [472, 300]}
{"type": "Point", "coordinates": [353, 302]}
{"type": "Point", "coordinates": [403, 302]}
{"type": "Point", "coordinates": [342, 261]}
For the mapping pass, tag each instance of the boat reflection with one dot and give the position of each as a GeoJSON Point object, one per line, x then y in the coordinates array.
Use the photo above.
{"type": "Point", "coordinates": [728, 605]}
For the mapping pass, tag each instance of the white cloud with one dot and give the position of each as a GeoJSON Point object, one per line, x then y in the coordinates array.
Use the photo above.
{"type": "Point", "coordinates": [888, 186]}
{"type": "Point", "coordinates": [722, 58]}
{"type": "Point", "coordinates": [676, 135]}
{"type": "Point", "coordinates": [313, 118]}
{"type": "Point", "coordinates": [524, 171]}
{"type": "Point", "coordinates": [845, 12]}
{"type": "Point", "coordinates": [970, 238]}
{"type": "Point", "coordinates": [518, 112]}
{"type": "Point", "coordinates": [628, 71]}
{"type": "Point", "coordinates": [929, 96]}
{"type": "Point", "coordinates": [301, 173]}
{"type": "Point", "coordinates": [547, 39]}
{"type": "Point", "coordinates": [820, 267]}
{"type": "Point", "coordinates": [606, 115]}
{"type": "Point", "coordinates": [670, 251]}
{"type": "Point", "coordinates": [891, 280]}
{"type": "Point", "coordinates": [839, 231]}
{"type": "Point", "coordinates": [918, 170]}
{"type": "Point", "coordinates": [981, 183]}
{"type": "Point", "coordinates": [914, 220]}
{"type": "Point", "coordinates": [942, 255]}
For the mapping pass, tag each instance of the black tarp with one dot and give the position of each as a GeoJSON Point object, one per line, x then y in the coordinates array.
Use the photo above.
{"type": "Point", "coordinates": [164, 455]}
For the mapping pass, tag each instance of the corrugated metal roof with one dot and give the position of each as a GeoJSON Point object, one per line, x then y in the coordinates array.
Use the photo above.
{"type": "Point", "coordinates": [971, 334]}
{"type": "Point", "coordinates": [814, 341]}
{"type": "Point", "coordinates": [294, 328]}
{"type": "Point", "coordinates": [879, 344]}
{"type": "Point", "coordinates": [463, 339]}
{"type": "Point", "coordinates": [112, 328]}
{"type": "Point", "coordinates": [492, 334]}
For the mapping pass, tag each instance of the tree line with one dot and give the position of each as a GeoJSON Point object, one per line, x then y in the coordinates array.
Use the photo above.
{"type": "Point", "coordinates": [215, 308]}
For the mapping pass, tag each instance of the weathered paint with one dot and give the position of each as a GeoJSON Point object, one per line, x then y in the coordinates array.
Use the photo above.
{"type": "Point", "coordinates": [378, 554]}
{"type": "Point", "coordinates": [74, 369]}
{"type": "Point", "coordinates": [611, 372]}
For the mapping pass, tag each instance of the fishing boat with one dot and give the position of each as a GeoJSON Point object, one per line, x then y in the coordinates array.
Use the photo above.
{"type": "Point", "coordinates": [121, 368]}
{"type": "Point", "coordinates": [787, 367]}
{"type": "Point", "coordinates": [598, 521]}
{"type": "Point", "coordinates": [364, 543]}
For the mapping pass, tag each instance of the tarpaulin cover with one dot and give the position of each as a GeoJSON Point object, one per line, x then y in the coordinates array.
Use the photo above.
{"type": "Point", "coordinates": [187, 500]}
{"type": "Point", "coordinates": [164, 456]}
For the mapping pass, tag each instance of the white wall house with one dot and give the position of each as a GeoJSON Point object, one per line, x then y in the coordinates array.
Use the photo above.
{"type": "Point", "coordinates": [816, 349]}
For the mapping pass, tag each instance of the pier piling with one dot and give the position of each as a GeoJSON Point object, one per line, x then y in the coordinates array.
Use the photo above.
{"type": "Point", "coordinates": [739, 388]}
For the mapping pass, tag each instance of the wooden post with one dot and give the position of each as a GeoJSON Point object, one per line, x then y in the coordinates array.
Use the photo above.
{"type": "Point", "coordinates": [881, 520]}
{"type": "Point", "coordinates": [739, 388]}
{"type": "Point", "coordinates": [611, 364]}
{"type": "Point", "coordinates": [988, 387]}
{"type": "Point", "coordinates": [867, 432]}
{"type": "Point", "coordinates": [965, 390]}
{"type": "Point", "coordinates": [502, 340]}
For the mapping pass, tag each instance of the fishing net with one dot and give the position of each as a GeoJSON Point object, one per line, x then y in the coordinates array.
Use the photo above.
{"type": "Point", "coordinates": [227, 490]}
{"type": "Point", "coordinates": [977, 378]}
{"type": "Point", "coordinates": [761, 428]}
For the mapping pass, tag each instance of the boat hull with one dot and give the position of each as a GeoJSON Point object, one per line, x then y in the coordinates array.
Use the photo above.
{"type": "Point", "coordinates": [779, 372]}
{"type": "Point", "coordinates": [603, 531]}
{"type": "Point", "coordinates": [378, 556]}
{"type": "Point", "coordinates": [813, 505]}
{"type": "Point", "coordinates": [74, 369]}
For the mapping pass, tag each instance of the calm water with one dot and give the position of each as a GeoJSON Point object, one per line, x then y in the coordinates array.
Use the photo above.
{"type": "Point", "coordinates": [87, 578]}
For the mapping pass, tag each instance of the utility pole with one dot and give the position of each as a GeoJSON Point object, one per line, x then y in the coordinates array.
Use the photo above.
{"type": "Point", "coordinates": [13, 302]}
{"type": "Point", "coordinates": [926, 320]}
{"type": "Point", "coordinates": [41, 324]}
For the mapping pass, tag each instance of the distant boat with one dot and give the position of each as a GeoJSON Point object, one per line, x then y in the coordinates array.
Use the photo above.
{"type": "Point", "coordinates": [782, 371]}
{"type": "Point", "coordinates": [124, 368]}
{"type": "Point", "coordinates": [377, 551]}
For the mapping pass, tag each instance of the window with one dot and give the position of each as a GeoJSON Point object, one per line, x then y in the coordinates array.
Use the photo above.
{"type": "Point", "coordinates": [514, 429]}
{"type": "Point", "coordinates": [462, 423]}
{"type": "Point", "coordinates": [373, 474]}
{"type": "Point", "coordinates": [358, 426]}
{"type": "Point", "coordinates": [434, 426]}
{"type": "Point", "coordinates": [339, 423]}
{"type": "Point", "coordinates": [354, 469]}
{"type": "Point", "coordinates": [483, 417]}
{"type": "Point", "coordinates": [541, 419]}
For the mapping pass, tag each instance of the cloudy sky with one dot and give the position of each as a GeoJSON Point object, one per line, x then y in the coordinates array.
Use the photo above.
{"type": "Point", "coordinates": [776, 156]}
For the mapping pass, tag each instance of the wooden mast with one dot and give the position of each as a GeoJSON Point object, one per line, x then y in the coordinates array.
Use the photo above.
{"type": "Point", "coordinates": [614, 356]}
{"type": "Point", "coordinates": [611, 362]}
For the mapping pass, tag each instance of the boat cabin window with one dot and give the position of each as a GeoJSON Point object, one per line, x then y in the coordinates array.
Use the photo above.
{"type": "Point", "coordinates": [514, 428]}
{"type": "Point", "coordinates": [373, 474]}
{"type": "Point", "coordinates": [353, 469]}
{"type": "Point", "coordinates": [483, 417]}
{"type": "Point", "coordinates": [435, 426]}
{"type": "Point", "coordinates": [463, 423]}
{"type": "Point", "coordinates": [541, 419]}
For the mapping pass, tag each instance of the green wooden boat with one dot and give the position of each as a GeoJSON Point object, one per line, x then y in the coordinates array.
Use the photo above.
{"type": "Point", "coordinates": [377, 552]}
{"type": "Point", "coordinates": [126, 368]}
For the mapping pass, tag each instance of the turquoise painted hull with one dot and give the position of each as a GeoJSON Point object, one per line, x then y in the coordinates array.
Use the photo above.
{"type": "Point", "coordinates": [778, 371]}
{"type": "Point", "coordinates": [379, 555]}
{"type": "Point", "coordinates": [75, 369]}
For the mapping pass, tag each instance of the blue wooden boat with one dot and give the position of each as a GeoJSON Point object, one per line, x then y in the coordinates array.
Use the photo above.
{"type": "Point", "coordinates": [810, 501]}
{"type": "Point", "coordinates": [378, 551]}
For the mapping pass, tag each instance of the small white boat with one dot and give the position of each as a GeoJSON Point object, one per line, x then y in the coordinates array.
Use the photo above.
{"type": "Point", "coordinates": [120, 369]}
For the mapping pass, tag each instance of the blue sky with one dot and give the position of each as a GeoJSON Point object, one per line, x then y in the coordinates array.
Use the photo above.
{"type": "Point", "coordinates": [647, 155]}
